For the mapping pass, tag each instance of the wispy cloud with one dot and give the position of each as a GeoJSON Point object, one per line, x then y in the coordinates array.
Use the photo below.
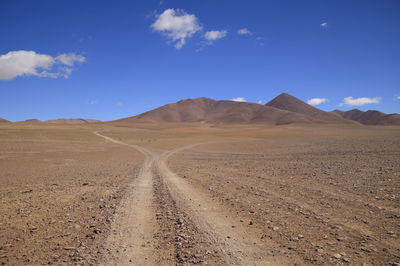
{"type": "Point", "coordinates": [317, 101]}
{"type": "Point", "coordinates": [177, 25]}
{"type": "Point", "coordinates": [259, 102]}
{"type": "Point", "coordinates": [398, 97]}
{"type": "Point", "coordinates": [239, 99]}
{"type": "Point", "coordinates": [350, 101]}
{"type": "Point", "coordinates": [260, 40]}
{"type": "Point", "coordinates": [244, 31]}
{"type": "Point", "coordinates": [94, 102]}
{"type": "Point", "coordinates": [324, 24]}
{"type": "Point", "coordinates": [30, 63]}
{"type": "Point", "coordinates": [70, 59]}
{"type": "Point", "coordinates": [119, 104]}
{"type": "Point", "coordinates": [214, 35]}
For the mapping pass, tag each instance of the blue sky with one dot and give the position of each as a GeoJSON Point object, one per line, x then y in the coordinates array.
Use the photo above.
{"type": "Point", "coordinates": [112, 59]}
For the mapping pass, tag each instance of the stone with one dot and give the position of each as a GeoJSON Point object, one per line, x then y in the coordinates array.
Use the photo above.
{"type": "Point", "coordinates": [337, 256]}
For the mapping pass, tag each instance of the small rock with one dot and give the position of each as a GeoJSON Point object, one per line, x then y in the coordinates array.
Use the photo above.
{"type": "Point", "coordinates": [340, 238]}
{"type": "Point", "coordinates": [275, 228]}
{"type": "Point", "coordinates": [26, 191]}
{"type": "Point", "coordinates": [300, 236]}
{"type": "Point", "coordinates": [346, 260]}
{"type": "Point", "coordinates": [52, 221]}
{"type": "Point", "coordinates": [251, 223]}
{"type": "Point", "coordinates": [390, 233]}
{"type": "Point", "coordinates": [337, 256]}
{"type": "Point", "coordinates": [365, 249]}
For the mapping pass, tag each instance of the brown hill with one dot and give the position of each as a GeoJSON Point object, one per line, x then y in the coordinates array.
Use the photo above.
{"type": "Point", "coordinates": [290, 103]}
{"type": "Point", "coordinates": [72, 121]}
{"type": "Point", "coordinates": [212, 111]}
{"type": "Point", "coordinates": [34, 120]}
{"type": "Point", "coordinates": [370, 117]}
{"type": "Point", "coordinates": [2, 120]}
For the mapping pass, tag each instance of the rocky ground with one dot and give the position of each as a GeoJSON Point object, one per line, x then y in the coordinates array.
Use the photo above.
{"type": "Point", "coordinates": [156, 194]}
{"type": "Point", "coordinates": [330, 200]}
{"type": "Point", "coordinates": [58, 194]}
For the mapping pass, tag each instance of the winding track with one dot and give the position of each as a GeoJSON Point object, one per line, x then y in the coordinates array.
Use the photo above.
{"type": "Point", "coordinates": [135, 226]}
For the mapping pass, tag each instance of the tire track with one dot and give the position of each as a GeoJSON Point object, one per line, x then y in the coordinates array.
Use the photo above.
{"type": "Point", "coordinates": [192, 226]}
{"type": "Point", "coordinates": [131, 240]}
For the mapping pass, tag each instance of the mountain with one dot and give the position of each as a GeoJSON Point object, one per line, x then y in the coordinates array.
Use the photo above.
{"type": "Point", "coordinates": [290, 103]}
{"type": "Point", "coordinates": [212, 111]}
{"type": "Point", "coordinates": [2, 120]}
{"type": "Point", "coordinates": [370, 117]}
{"type": "Point", "coordinates": [72, 121]}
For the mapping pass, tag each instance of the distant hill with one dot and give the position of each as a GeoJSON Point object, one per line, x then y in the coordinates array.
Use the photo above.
{"type": "Point", "coordinates": [2, 120]}
{"type": "Point", "coordinates": [33, 120]}
{"type": "Point", "coordinates": [72, 121]}
{"type": "Point", "coordinates": [212, 111]}
{"type": "Point", "coordinates": [290, 103]}
{"type": "Point", "coordinates": [370, 117]}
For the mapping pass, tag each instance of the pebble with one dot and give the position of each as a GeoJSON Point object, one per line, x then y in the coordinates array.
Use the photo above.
{"type": "Point", "coordinates": [365, 249]}
{"type": "Point", "coordinates": [275, 228]}
{"type": "Point", "coordinates": [340, 238]}
{"type": "Point", "coordinates": [337, 256]}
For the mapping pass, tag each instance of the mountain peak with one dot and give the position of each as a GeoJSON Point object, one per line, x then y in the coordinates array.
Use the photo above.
{"type": "Point", "coordinates": [290, 103]}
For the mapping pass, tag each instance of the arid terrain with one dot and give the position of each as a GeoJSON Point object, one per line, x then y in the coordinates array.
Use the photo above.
{"type": "Point", "coordinates": [123, 193]}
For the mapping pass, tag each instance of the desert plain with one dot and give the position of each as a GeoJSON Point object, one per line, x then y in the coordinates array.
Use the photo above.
{"type": "Point", "coordinates": [193, 193]}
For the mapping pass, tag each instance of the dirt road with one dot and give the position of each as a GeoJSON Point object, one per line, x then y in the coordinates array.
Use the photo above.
{"type": "Point", "coordinates": [166, 220]}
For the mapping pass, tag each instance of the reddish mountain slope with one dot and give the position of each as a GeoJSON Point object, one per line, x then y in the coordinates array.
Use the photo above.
{"type": "Point", "coordinates": [212, 111]}
{"type": "Point", "coordinates": [370, 117]}
{"type": "Point", "coordinates": [289, 103]}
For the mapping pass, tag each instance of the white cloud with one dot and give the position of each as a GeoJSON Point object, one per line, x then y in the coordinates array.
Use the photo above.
{"type": "Point", "coordinates": [20, 63]}
{"type": "Point", "coordinates": [350, 101]}
{"type": "Point", "coordinates": [317, 101]}
{"type": "Point", "coordinates": [239, 99]}
{"type": "Point", "coordinates": [70, 59]}
{"type": "Point", "coordinates": [94, 102]}
{"type": "Point", "coordinates": [259, 102]}
{"type": "Point", "coordinates": [214, 35]}
{"type": "Point", "coordinates": [244, 31]}
{"type": "Point", "coordinates": [177, 26]}
{"type": "Point", "coordinates": [398, 97]}
{"type": "Point", "coordinates": [324, 24]}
